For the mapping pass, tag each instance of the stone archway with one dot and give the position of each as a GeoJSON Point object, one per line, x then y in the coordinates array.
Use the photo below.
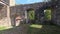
{"type": "Point", "coordinates": [30, 15]}
{"type": "Point", "coordinates": [48, 16]}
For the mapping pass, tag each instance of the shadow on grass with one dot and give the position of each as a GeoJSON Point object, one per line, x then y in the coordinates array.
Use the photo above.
{"type": "Point", "coordinates": [15, 30]}
{"type": "Point", "coordinates": [45, 29]}
{"type": "Point", "coordinates": [32, 29]}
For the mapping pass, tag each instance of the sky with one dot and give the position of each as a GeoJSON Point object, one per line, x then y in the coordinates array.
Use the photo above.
{"type": "Point", "coordinates": [27, 1]}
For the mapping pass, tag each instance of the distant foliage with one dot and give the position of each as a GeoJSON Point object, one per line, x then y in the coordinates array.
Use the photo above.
{"type": "Point", "coordinates": [31, 15]}
{"type": "Point", "coordinates": [48, 14]}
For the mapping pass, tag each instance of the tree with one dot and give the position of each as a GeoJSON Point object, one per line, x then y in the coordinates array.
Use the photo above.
{"type": "Point", "coordinates": [48, 14]}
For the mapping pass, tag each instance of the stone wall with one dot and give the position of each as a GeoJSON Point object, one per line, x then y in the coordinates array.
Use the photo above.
{"type": "Point", "coordinates": [4, 20]}
{"type": "Point", "coordinates": [19, 10]}
{"type": "Point", "coordinates": [39, 7]}
{"type": "Point", "coordinates": [56, 13]}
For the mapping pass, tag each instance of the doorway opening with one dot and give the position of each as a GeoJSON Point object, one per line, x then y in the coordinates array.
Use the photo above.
{"type": "Point", "coordinates": [47, 15]}
{"type": "Point", "coordinates": [31, 15]}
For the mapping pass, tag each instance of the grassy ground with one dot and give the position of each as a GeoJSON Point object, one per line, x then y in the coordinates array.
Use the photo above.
{"type": "Point", "coordinates": [43, 29]}
{"type": "Point", "coordinates": [32, 29]}
{"type": "Point", "coordinates": [3, 28]}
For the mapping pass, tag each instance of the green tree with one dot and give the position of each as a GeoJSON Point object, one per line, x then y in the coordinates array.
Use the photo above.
{"type": "Point", "coordinates": [48, 14]}
{"type": "Point", "coordinates": [31, 15]}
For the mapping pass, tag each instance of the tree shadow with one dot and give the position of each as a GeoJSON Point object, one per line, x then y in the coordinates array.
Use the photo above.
{"type": "Point", "coordinates": [45, 29]}
{"type": "Point", "coordinates": [15, 30]}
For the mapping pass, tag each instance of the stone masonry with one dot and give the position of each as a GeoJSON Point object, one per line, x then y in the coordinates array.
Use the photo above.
{"type": "Point", "coordinates": [12, 14]}
{"type": "Point", "coordinates": [38, 8]}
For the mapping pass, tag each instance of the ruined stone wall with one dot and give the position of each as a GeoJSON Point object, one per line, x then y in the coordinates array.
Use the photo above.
{"type": "Point", "coordinates": [55, 9]}
{"type": "Point", "coordinates": [4, 21]}
{"type": "Point", "coordinates": [56, 13]}
{"type": "Point", "coordinates": [21, 9]}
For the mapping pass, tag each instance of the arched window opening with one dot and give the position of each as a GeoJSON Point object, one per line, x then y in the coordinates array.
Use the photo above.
{"type": "Point", "coordinates": [47, 13]}
{"type": "Point", "coordinates": [31, 14]}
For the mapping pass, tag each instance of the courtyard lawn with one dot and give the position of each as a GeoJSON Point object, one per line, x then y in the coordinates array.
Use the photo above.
{"type": "Point", "coordinates": [2, 28]}
{"type": "Point", "coordinates": [31, 29]}
{"type": "Point", "coordinates": [43, 29]}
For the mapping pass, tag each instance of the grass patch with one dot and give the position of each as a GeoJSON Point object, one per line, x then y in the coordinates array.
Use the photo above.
{"type": "Point", "coordinates": [33, 29]}
{"type": "Point", "coordinates": [43, 29]}
{"type": "Point", "coordinates": [3, 28]}
{"type": "Point", "coordinates": [36, 26]}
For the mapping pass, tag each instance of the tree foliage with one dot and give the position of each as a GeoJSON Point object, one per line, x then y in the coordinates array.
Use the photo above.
{"type": "Point", "coordinates": [48, 14]}
{"type": "Point", "coordinates": [31, 15]}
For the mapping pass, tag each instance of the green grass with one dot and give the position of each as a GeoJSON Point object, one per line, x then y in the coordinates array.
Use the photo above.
{"type": "Point", "coordinates": [43, 29]}
{"type": "Point", "coordinates": [2, 28]}
{"type": "Point", "coordinates": [36, 26]}
{"type": "Point", "coordinates": [34, 29]}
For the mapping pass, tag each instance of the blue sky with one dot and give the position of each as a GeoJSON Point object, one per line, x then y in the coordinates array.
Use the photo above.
{"type": "Point", "coordinates": [27, 1]}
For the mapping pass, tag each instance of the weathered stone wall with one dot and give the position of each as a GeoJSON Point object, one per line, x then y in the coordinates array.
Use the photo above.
{"type": "Point", "coordinates": [39, 7]}
{"type": "Point", "coordinates": [9, 2]}
{"type": "Point", "coordinates": [3, 17]}
{"type": "Point", "coordinates": [56, 13]}
{"type": "Point", "coordinates": [19, 10]}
